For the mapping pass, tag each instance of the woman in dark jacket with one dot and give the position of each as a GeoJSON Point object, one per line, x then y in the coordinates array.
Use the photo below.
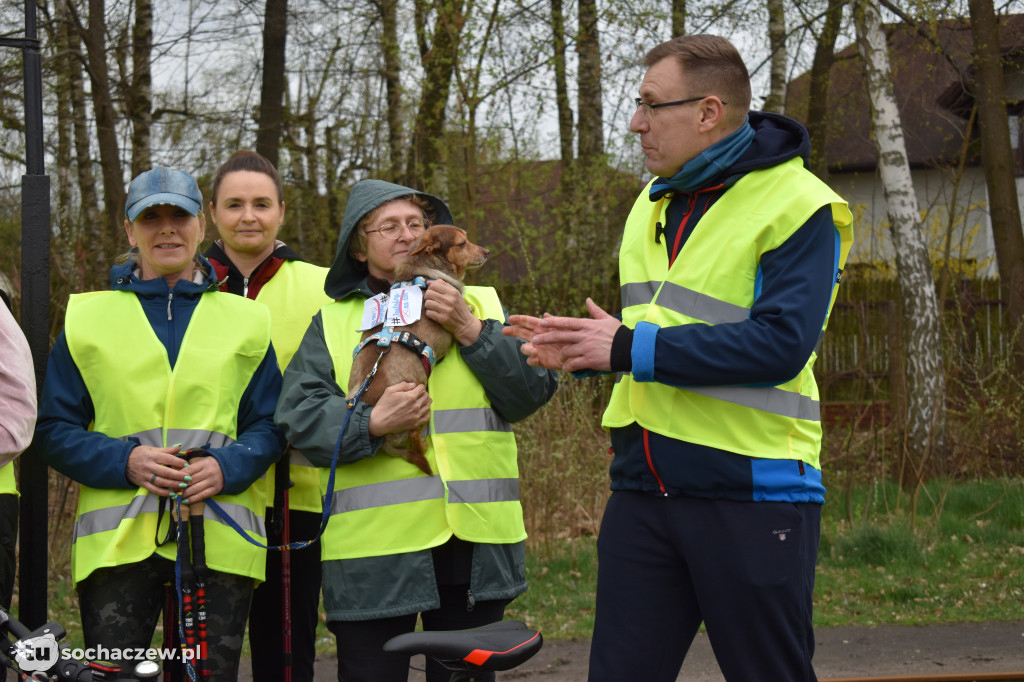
{"type": "Point", "coordinates": [400, 543]}
{"type": "Point", "coordinates": [161, 364]}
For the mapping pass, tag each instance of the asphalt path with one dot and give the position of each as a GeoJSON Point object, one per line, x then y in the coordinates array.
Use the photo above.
{"type": "Point", "coordinates": [854, 651]}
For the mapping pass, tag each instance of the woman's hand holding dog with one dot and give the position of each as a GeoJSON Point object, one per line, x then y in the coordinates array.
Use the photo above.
{"type": "Point", "coordinates": [402, 407]}
{"type": "Point", "coordinates": [445, 305]}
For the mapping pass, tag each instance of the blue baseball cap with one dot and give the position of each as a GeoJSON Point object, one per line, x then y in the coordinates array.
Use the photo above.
{"type": "Point", "coordinates": [161, 186]}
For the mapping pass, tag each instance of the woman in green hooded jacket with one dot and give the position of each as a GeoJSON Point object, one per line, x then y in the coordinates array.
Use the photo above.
{"type": "Point", "coordinates": [401, 543]}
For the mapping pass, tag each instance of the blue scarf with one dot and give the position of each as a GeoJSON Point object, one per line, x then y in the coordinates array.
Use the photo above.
{"type": "Point", "coordinates": [708, 165]}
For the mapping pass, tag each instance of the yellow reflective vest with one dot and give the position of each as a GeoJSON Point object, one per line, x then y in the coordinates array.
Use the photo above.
{"type": "Point", "coordinates": [7, 483]}
{"type": "Point", "coordinates": [712, 281]}
{"type": "Point", "coordinates": [294, 294]}
{"type": "Point", "coordinates": [383, 505]}
{"type": "Point", "coordinates": [136, 393]}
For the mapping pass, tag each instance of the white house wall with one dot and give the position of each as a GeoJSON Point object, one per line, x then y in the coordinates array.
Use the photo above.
{"type": "Point", "coordinates": [970, 240]}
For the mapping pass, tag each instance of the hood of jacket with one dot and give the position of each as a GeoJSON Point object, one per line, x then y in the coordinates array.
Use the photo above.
{"type": "Point", "coordinates": [346, 273]}
{"type": "Point", "coordinates": [777, 139]}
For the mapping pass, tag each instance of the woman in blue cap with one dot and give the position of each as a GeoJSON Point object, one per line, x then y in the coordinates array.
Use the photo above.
{"type": "Point", "coordinates": [447, 547]}
{"type": "Point", "coordinates": [159, 365]}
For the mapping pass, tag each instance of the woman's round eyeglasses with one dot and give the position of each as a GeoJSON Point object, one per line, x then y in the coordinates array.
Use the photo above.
{"type": "Point", "coordinates": [394, 230]}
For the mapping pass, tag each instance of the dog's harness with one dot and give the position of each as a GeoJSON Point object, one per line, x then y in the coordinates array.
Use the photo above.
{"type": "Point", "coordinates": [388, 335]}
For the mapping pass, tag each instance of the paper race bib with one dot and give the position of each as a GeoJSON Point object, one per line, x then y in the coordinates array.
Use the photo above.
{"type": "Point", "coordinates": [397, 309]}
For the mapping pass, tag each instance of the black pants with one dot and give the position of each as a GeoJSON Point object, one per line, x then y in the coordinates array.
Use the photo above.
{"type": "Point", "coordinates": [266, 617]}
{"type": "Point", "coordinates": [8, 542]}
{"type": "Point", "coordinates": [360, 654]}
{"type": "Point", "coordinates": [120, 606]}
{"type": "Point", "coordinates": [744, 569]}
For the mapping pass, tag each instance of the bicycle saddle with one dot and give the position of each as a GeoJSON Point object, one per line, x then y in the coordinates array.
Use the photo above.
{"type": "Point", "coordinates": [498, 646]}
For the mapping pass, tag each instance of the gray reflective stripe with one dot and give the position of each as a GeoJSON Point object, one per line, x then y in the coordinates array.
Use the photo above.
{"type": "Point", "coordinates": [485, 490]}
{"type": "Point", "coordinates": [101, 520]}
{"type": "Point", "coordinates": [638, 293]}
{"type": "Point", "coordinates": [387, 493]}
{"type": "Point", "coordinates": [682, 300]}
{"type": "Point", "coordinates": [700, 306]}
{"type": "Point", "coordinates": [469, 419]}
{"type": "Point", "coordinates": [153, 437]}
{"type": "Point", "coordinates": [189, 438]}
{"type": "Point", "coordinates": [772, 400]}
{"type": "Point", "coordinates": [240, 514]}
{"type": "Point", "coordinates": [109, 518]}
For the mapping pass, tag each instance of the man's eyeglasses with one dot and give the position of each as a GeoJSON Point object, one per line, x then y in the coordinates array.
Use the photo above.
{"type": "Point", "coordinates": [648, 107]}
{"type": "Point", "coordinates": [394, 230]}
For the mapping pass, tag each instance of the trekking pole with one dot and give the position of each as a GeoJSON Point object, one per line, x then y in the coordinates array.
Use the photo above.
{"type": "Point", "coordinates": [186, 582]}
{"type": "Point", "coordinates": [286, 588]}
{"type": "Point", "coordinates": [199, 570]}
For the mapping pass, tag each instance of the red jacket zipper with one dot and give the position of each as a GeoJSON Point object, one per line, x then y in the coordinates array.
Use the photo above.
{"type": "Point", "coordinates": [650, 463]}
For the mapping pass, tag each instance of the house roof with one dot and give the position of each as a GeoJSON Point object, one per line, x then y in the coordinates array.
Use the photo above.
{"type": "Point", "coordinates": [929, 91]}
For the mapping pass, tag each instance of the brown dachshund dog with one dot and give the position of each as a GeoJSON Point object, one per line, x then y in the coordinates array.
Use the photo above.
{"type": "Point", "coordinates": [442, 252]}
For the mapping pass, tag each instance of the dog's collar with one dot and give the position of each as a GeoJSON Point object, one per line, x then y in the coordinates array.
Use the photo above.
{"type": "Point", "coordinates": [386, 336]}
{"type": "Point", "coordinates": [417, 281]}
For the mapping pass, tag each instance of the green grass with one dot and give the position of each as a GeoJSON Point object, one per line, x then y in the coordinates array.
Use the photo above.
{"type": "Point", "coordinates": [960, 558]}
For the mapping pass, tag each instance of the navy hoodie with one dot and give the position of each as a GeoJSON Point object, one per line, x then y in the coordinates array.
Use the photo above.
{"type": "Point", "coordinates": [97, 460]}
{"type": "Point", "coordinates": [768, 348]}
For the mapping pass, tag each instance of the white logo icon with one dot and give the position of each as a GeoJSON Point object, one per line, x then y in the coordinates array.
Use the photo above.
{"type": "Point", "coordinates": [38, 653]}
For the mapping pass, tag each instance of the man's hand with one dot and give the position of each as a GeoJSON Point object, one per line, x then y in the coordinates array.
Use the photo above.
{"type": "Point", "coordinates": [568, 343]}
{"type": "Point", "coordinates": [402, 407]}
{"type": "Point", "coordinates": [443, 304]}
{"type": "Point", "coordinates": [526, 327]}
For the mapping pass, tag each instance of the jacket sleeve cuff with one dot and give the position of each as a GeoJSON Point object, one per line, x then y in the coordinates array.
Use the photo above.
{"type": "Point", "coordinates": [621, 360]}
{"type": "Point", "coordinates": [644, 338]}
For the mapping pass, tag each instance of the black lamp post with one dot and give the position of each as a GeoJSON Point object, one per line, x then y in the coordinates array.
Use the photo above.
{"type": "Point", "coordinates": [35, 321]}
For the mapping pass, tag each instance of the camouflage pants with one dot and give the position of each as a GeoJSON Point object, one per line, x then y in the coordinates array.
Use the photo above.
{"type": "Point", "coordinates": [120, 606]}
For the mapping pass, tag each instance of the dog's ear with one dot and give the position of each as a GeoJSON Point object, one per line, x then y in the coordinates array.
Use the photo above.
{"type": "Point", "coordinates": [423, 246]}
{"type": "Point", "coordinates": [430, 242]}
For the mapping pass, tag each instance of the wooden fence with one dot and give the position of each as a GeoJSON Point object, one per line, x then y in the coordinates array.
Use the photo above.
{"type": "Point", "coordinates": [861, 354]}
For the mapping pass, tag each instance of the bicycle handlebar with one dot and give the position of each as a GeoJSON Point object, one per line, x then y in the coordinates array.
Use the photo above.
{"type": "Point", "coordinates": [32, 650]}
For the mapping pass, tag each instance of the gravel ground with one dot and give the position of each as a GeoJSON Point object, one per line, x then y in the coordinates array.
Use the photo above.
{"type": "Point", "coordinates": [995, 646]}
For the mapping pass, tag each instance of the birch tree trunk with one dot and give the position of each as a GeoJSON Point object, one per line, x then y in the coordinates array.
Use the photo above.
{"type": "Point", "coordinates": [776, 100]}
{"type": "Point", "coordinates": [997, 157]}
{"type": "Point", "coordinates": [925, 418]}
